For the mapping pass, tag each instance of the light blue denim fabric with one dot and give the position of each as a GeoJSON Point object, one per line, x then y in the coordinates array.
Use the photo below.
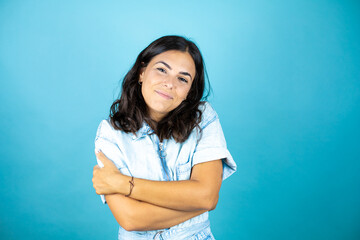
{"type": "Point", "coordinates": [143, 156]}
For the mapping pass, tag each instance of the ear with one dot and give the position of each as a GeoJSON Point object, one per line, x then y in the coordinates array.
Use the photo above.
{"type": "Point", "coordinates": [142, 73]}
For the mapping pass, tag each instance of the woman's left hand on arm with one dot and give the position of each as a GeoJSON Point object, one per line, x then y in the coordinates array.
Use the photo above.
{"type": "Point", "coordinates": [107, 179]}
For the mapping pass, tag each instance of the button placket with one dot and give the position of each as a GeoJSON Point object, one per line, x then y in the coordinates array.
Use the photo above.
{"type": "Point", "coordinates": [162, 155]}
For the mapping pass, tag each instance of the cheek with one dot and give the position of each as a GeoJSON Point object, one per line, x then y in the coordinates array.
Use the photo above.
{"type": "Point", "coordinates": [145, 91]}
{"type": "Point", "coordinates": [182, 93]}
{"type": "Point", "coordinates": [153, 78]}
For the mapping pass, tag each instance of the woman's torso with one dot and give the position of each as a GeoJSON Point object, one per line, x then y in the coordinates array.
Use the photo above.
{"type": "Point", "coordinates": [144, 156]}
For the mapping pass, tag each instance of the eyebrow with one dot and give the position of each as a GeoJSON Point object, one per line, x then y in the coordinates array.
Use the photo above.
{"type": "Point", "coordinates": [167, 65]}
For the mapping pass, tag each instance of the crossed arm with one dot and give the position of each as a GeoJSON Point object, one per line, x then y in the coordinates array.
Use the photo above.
{"type": "Point", "coordinates": [134, 215]}
{"type": "Point", "coordinates": [168, 203]}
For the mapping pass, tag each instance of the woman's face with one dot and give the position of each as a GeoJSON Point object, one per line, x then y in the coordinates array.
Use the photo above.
{"type": "Point", "coordinates": [166, 81]}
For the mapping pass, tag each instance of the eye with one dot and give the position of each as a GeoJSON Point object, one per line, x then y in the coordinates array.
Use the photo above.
{"type": "Point", "coordinates": [183, 80]}
{"type": "Point", "coordinates": [161, 70]}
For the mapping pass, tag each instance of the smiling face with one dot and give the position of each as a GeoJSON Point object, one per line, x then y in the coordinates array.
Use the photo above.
{"type": "Point", "coordinates": [166, 81]}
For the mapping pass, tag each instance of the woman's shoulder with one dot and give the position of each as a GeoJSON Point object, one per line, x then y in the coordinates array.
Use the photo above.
{"type": "Point", "coordinates": [208, 114]}
{"type": "Point", "coordinates": [105, 129]}
{"type": "Point", "coordinates": [105, 125]}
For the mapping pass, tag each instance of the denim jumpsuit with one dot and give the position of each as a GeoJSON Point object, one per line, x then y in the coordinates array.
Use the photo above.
{"type": "Point", "coordinates": [144, 156]}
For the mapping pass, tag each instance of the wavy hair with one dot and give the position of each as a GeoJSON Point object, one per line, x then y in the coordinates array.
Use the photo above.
{"type": "Point", "coordinates": [130, 111]}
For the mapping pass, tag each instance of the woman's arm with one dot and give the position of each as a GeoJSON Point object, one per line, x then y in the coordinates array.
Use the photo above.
{"type": "Point", "coordinates": [201, 192]}
{"type": "Point", "coordinates": [134, 215]}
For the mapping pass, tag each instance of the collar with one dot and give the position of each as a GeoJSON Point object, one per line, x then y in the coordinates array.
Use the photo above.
{"type": "Point", "coordinates": [143, 131]}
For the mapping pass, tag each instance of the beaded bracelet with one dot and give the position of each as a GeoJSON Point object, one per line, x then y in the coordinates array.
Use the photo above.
{"type": "Point", "coordinates": [131, 186]}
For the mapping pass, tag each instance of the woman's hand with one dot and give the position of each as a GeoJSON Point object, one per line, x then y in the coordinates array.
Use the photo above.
{"type": "Point", "coordinates": [108, 179]}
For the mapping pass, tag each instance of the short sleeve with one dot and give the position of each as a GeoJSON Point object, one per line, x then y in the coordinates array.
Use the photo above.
{"type": "Point", "coordinates": [104, 141]}
{"type": "Point", "coordinates": [212, 144]}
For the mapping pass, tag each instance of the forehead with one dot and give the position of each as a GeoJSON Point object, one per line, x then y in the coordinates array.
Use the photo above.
{"type": "Point", "coordinates": [177, 60]}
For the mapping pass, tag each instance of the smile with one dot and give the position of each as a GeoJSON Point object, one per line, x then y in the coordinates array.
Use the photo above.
{"type": "Point", "coordinates": [164, 95]}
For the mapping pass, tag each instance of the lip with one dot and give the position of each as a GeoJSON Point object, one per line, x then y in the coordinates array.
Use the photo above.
{"type": "Point", "coordinates": [164, 94]}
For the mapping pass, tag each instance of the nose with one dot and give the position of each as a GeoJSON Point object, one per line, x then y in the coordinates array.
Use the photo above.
{"type": "Point", "coordinates": [168, 82]}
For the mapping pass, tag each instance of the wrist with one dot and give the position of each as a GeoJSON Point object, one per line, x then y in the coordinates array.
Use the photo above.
{"type": "Point", "coordinates": [124, 185]}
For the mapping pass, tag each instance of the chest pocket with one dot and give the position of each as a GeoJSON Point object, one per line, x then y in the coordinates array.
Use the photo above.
{"type": "Point", "coordinates": [183, 171]}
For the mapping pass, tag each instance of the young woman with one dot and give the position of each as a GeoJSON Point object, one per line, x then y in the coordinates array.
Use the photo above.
{"type": "Point", "coordinates": [162, 154]}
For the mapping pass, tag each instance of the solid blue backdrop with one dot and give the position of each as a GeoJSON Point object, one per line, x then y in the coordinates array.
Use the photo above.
{"type": "Point", "coordinates": [286, 85]}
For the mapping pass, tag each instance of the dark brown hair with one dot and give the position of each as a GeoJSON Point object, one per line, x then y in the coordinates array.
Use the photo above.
{"type": "Point", "coordinates": [130, 111]}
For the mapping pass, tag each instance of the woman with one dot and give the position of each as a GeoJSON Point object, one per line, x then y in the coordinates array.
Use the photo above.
{"type": "Point", "coordinates": [162, 154]}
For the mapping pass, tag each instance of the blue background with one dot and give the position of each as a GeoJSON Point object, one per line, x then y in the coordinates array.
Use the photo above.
{"type": "Point", "coordinates": [286, 85]}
